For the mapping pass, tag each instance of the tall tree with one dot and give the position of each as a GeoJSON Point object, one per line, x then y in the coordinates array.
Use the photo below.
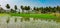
{"type": "Point", "coordinates": [27, 8]}
{"type": "Point", "coordinates": [8, 6]}
{"type": "Point", "coordinates": [12, 11]}
{"type": "Point", "coordinates": [15, 8]}
{"type": "Point", "coordinates": [34, 9]}
{"type": "Point", "coordinates": [54, 9]}
{"type": "Point", "coordinates": [40, 9]}
{"type": "Point", "coordinates": [58, 9]}
{"type": "Point", "coordinates": [50, 9]}
{"type": "Point", "coordinates": [22, 8]}
{"type": "Point", "coordinates": [37, 10]}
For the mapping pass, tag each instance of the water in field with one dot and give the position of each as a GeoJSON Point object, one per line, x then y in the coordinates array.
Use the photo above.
{"type": "Point", "coordinates": [20, 22]}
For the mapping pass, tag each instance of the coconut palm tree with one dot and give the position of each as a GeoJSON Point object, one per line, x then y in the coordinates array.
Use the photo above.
{"type": "Point", "coordinates": [50, 9]}
{"type": "Point", "coordinates": [15, 8]}
{"type": "Point", "coordinates": [54, 11]}
{"type": "Point", "coordinates": [8, 7]}
{"type": "Point", "coordinates": [34, 9]}
{"type": "Point", "coordinates": [40, 9]}
{"type": "Point", "coordinates": [27, 8]}
{"type": "Point", "coordinates": [58, 9]}
{"type": "Point", "coordinates": [22, 8]}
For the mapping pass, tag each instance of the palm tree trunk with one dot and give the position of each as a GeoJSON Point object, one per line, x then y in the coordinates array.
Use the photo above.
{"type": "Point", "coordinates": [22, 11]}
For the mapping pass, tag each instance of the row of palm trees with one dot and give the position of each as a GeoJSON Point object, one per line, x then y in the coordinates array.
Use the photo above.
{"type": "Point", "coordinates": [48, 9]}
{"type": "Point", "coordinates": [35, 9]}
{"type": "Point", "coordinates": [23, 8]}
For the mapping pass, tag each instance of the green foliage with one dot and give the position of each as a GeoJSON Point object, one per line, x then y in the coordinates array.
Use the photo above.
{"type": "Point", "coordinates": [35, 9]}
{"type": "Point", "coordinates": [7, 6]}
{"type": "Point", "coordinates": [27, 7]}
{"type": "Point", "coordinates": [45, 16]}
{"type": "Point", "coordinates": [12, 11]}
{"type": "Point", "coordinates": [21, 7]}
{"type": "Point", "coordinates": [15, 8]}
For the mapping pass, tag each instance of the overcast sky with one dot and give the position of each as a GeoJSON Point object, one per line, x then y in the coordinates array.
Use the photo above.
{"type": "Point", "coordinates": [32, 3]}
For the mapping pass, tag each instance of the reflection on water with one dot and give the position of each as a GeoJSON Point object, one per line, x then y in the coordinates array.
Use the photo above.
{"type": "Point", "coordinates": [20, 22]}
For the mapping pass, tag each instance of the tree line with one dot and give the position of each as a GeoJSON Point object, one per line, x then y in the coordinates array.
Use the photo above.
{"type": "Point", "coordinates": [33, 10]}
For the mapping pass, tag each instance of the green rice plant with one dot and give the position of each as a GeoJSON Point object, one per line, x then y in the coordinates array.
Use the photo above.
{"type": "Point", "coordinates": [45, 16]}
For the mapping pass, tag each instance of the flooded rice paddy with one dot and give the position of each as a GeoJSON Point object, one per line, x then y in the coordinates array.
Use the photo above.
{"type": "Point", "coordinates": [20, 22]}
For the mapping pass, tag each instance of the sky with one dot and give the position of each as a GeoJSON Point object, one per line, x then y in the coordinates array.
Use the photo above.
{"type": "Point", "coordinates": [32, 3]}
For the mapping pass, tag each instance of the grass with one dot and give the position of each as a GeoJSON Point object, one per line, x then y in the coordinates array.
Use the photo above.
{"type": "Point", "coordinates": [3, 14]}
{"type": "Point", "coordinates": [45, 16]}
{"type": "Point", "coordinates": [39, 16]}
{"type": "Point", "coordinates": [36, 16]}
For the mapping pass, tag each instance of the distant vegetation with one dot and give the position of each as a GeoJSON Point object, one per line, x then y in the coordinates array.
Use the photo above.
{"type": "Point", "coordinates": [28, 8]}
{"type": "Point", "coordinates": [43, 13]}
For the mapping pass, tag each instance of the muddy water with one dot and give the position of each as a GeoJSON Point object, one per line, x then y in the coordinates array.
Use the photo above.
{"type": "Point", "coordinates": [20, 22]}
